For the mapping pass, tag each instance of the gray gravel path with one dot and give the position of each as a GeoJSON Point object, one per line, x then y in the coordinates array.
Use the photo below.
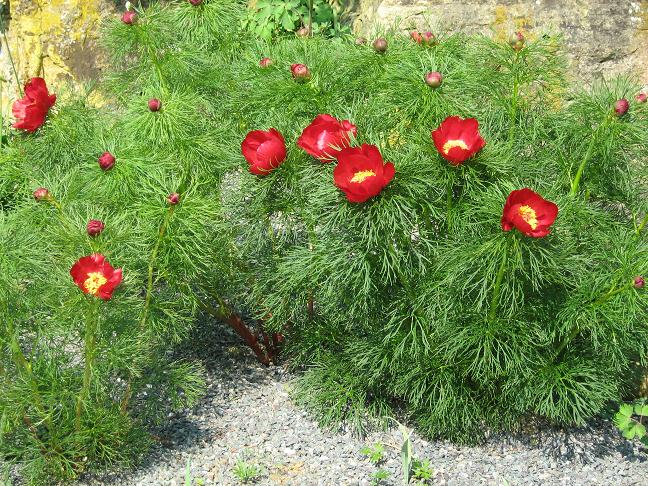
{"type": "Point", "coordinates": [247, 414]}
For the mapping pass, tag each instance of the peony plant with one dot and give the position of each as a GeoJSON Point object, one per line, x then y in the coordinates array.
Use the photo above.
{"type": "Point", "coordinates": [467, 249]}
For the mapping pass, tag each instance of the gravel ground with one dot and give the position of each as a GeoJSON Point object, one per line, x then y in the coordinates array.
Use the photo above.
{"type": "Point", "coordinates": [247, 414]}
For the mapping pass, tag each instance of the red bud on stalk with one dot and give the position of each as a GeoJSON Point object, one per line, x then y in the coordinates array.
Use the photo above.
{"type": "Point", "coordinates": [433, 79]}
{"type": "Point", "coordinates": [621, 107]}
{"type": "Point", "coordinates": [638, 282]}
{"type": "Point", "coordinates": [173, 198]}
{"type": "Point", "coordinates": [41, 193]}
{"type": "Point", "coordinates": [95, 227]}
{"type": "Point", "coordinates": [129, 17]}
{"type": "Point", "coordinates": [154, 104]}
{"type": "Point", "coordinates": [106, 161]}
{"type": "Point", "coordinates": [380, 45]}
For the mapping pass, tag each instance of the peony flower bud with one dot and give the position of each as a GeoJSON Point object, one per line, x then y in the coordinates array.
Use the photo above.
{"type": "Point", "coordinates": [641, 97]}
{"type": "Point", "coordinates": [516, 41]}
{"type": "Point", "coordinates": [154, 104]}
{"type": "Point", "coordinates": [195, 3]}
{"type": "Point", "coordinates": [380, 45]}
{"type": "Point", "coordinates": [266, 62]}
{"type": "Point", "coordinates": [433, 79]}
{"type": "Point", "coordinates": [106, 161]}
{"type": "Point", "coordinates": [173, 198]}
{"type": "Point", "coordinates": [361, 41]}
{"type": "Point", "coordinates": [41, 193]}
{"type": "Point", "coordinates": [428, 38]}
{"type": "Point", "coordinates": [95, 227]}
{"type": "Point", "coordinates": [300, 72]}
{"type": "Point", "coordinates": [621, 107]}
{"type": "Point", "coordinates": [638, 282]}
{"type": "Point", "coordinates": [416, 36]}
{"type": "Point", "coordinates": [129, 17]}
{"type": "Point", "coordinates": [128, 6]}
{"type": "Point", "coordinates": [303, 32]}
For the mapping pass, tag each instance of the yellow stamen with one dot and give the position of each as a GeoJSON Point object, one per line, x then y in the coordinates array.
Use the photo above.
{"type": "Point", "coordinates": [450, 144]}
{"type": "Point", "coordinates": [529, 215]}
{"type": "Point", "coordinates": [362, 175]}
{"type": "Point", "coordinates": [94, 281]}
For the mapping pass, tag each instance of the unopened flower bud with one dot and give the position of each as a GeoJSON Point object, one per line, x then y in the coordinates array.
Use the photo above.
{"type": "Point", "coordinates": [129, 17]}
{"type": "Point", "coordinates": [361, 41]}
{"type": "Point", "coordinates": [41, 193]}
{"type": "Point", "coordinates": [303, 32]}
{"type": "Point", "coordinates": [173, 198]}
{"type": "Point", "coordinates": [106, 161]}
{"type": "Point", "coordinates": [154, 104]}
{"type": "Point", "coordinates": [428, 38]}
{"type": "Point", "coordinates": [621, 107]}
{"type": "Point", "coordinates": [516, 41]}
{"type": "Point", "coordinates": [300, 72]}
{"type": "Point", "coordinates": [128, 6]}
{"type": "Point", "coordinates": [638, 282]}
{"type": "Point", "coordinates": [433, 79]}
{"type": "Point", "coordinates": [641, 97]}
{"type": "Point", "coordinates": [95, 227]}
{"type": "Point", "coordinates": [416, 36]}
{"type": "Point", "coordinates": [266, 62]}
{"type": "Point", "coordinates": [380, 45]}
{"type": "Point", "coordinates": [195, 3]}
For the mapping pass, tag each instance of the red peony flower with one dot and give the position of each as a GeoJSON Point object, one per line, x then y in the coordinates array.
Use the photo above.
{"type": "Point", "coordinates": [30, 111]}
{"type": "Point", "coordinates": [361, 173]}
{"type": "Point", "coordinates": [95, 276]}
{"type": "Point", "coordinates": [325, 136]}
{"type": "Point", "coordinates": [264, 150]}
{"type": "Point", "coordinates": [95, 227]}
{"type": "Point", "coordinates": [457, 139]}
{"type": "Point", "coordinates": [529, 213]}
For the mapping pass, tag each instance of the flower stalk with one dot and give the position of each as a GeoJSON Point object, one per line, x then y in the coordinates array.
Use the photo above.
{"type": "Point", "coordinates": [497, 288]}
{"type": "Point", "coordinates": [89, 353]}
{"type": "Point", "coordinates": [588, 154]}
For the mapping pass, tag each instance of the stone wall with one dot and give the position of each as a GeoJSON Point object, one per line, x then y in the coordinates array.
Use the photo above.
{"type": "Point", "coordinates": [57, 38]}
{"type": "Point", "coordinates": [52, 38]}
{"type": "Point", "coordinates": [603, 37]}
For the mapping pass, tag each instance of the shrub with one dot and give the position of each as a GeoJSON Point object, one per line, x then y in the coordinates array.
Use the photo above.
{"type": "Point", "coordinates": [416, 299]}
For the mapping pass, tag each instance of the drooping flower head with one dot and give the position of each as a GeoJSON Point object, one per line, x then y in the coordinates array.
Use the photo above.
{"type": "Point", "coordinates": [529, 213]}
{"type": "Point", "coordinates": [264, 150]}
{"type": "Point", "coordinates": [361, 173]}
{"type": "Point", "coordinates": [95, 276]}
{"type": "Point", "coordinates": [32, 109]}
{"type": "Point", "coordinates": [325, 136]}
{"type": "Point", "coordinates": [457, 139]}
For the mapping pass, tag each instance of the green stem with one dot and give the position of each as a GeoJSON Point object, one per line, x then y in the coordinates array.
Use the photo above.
{"type": "Point", "coordinates": [151, 265]}
{"type": "Point", "coordinates": [11, 61]}
{"type": "Point", "coordinates": [588, 155]}
{"type": "Point", "coordinates": [310, 18]}
{"type": "Point", "coordinates": [497, 289]}
{"type": "Point", "coordinates": [603, 298]}
{"type": "Point", "coordinates": [89, 353]}
{"type": "Point", "coordinates": [450, 198]}
{"type": "Point", "coordinates": [642, 224]}
{"type": "Point", "coordinates": [514, 100]}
